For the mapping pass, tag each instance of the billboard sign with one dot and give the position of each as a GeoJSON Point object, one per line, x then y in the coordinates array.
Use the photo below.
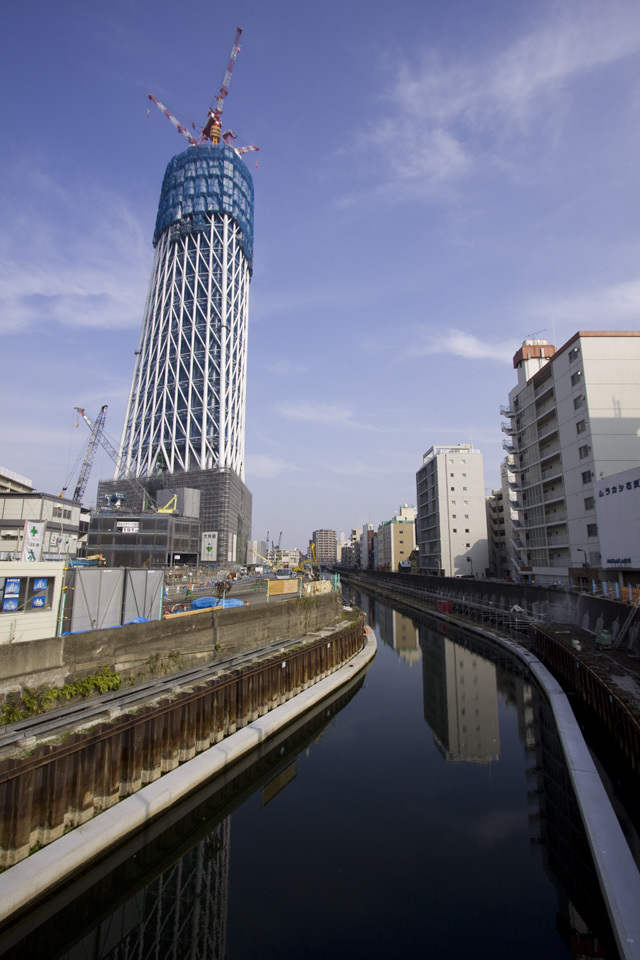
{"type": "Point", "coordinates": [209, 547]}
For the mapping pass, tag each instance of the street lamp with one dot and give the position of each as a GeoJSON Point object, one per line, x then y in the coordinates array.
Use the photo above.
{"type": "Point", "coordinates": [469, 560]}
{"type": "Point", "coordinates": [580, 550]}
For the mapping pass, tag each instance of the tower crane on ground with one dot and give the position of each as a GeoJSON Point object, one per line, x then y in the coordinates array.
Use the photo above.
{"type": "Point", "coordinates": [212, 130]}
{"type": "Point", "coordinates": [83, 477]}
{"type": "Point", "coordinates": [97, 427]}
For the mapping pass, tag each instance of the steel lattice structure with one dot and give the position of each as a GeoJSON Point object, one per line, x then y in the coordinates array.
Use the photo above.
{"type": "Point", "coordinates": [186, 408]}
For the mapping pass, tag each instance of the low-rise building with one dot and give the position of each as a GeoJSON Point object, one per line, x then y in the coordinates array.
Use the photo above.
{"type": "Point", "coordinates": [65, 524]}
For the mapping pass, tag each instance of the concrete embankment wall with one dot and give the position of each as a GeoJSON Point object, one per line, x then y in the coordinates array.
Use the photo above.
{"type": "Point", "coordinates": [139, 648]}
{"type": "Point", "coordinates": [588, 612]}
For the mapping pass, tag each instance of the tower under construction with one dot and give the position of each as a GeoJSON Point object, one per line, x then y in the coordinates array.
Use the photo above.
{"type": "Point", "coordinates": [185, 420]}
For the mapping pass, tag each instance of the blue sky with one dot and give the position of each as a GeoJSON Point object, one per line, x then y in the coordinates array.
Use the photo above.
{"type": "Point", "coordinates": [435, 182]}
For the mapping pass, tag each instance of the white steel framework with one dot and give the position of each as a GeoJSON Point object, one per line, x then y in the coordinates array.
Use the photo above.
{"type": "Point", "coordinates": [186, 408]}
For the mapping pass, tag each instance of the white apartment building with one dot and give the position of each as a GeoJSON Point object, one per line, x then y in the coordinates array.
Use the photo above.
{"type": "Point", "coordinates": [452, 520]}
{"type": "Point", "coordinates": [573, 419]}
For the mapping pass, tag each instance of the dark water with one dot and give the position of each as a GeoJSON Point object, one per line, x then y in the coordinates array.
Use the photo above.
{"type": "Point", "coordinates": [426, 811]}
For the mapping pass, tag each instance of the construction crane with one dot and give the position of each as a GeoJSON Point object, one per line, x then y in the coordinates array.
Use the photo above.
{"type": "Point", "coordinates": [111, 450]}
{"type": "Point", "coordinates": [83, 477]}
{"type": "Point", "coordinates": [212, 130]}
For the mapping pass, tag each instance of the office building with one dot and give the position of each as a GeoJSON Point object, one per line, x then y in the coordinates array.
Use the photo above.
{"type": "Point", "coordinates": [452, 520]}
{"type": "Point", "coordinates": [572, 420]}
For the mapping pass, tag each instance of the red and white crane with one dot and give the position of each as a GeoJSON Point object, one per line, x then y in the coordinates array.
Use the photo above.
{"type": "Point", "coordinates": [212, 130]}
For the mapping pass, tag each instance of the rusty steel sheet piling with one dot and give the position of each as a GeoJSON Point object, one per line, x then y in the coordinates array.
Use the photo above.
{"type": "Point", "coordinates": [60, 786]}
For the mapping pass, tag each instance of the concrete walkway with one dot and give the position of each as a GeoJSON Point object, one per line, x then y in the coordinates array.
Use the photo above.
{"type": "Point", "coordinates": [34, 877]}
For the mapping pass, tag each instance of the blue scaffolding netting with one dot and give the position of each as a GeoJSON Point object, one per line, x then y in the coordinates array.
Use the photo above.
{"type": "Point", "coordinates": [207, 179]}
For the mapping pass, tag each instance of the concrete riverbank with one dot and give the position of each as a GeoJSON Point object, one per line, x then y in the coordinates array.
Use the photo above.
{"type": "Point", "coordinates": [32, 879]}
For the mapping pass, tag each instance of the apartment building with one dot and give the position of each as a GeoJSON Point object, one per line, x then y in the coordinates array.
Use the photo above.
{"type": "Point", "coordinates": [396, 539]}
{"type": "Point", "coordinates": [572, 420]}
{"type": "Point", "coordinates": [326, 547]}
{"type": "Point", "coordinates": [452, 520]}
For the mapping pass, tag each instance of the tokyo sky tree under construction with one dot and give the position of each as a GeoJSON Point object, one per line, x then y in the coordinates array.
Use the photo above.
{"type": "Point", "coordinates": [185, 420]}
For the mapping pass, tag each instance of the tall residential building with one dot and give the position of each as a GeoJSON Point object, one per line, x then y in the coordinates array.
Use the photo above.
{"type": "Point", "coordinates": [325, 545]}
{"type": "Point", "coordinates": [185, 420]}
{"type": "Point", "coordinates": [397, 539]}
{"type": "Point", "coordinates": [452, 521]}
{"type": "Point", "coordinates": [572, 420]}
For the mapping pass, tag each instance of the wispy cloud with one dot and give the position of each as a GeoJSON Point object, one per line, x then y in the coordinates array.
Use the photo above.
{"type": "Point", "coordinates": [461, 344]}
{"type": "Point", "coordinates": [590, 309]}
{"type": "Point", "coordinates": [326, 414]}
{"type": "Point", "coordinates": [451, 118]}
{"type": "Point", "coordinates": [91, 274]}
{"type": "Point", "coordinates": [262, 465]}
{"type": "Point", "coordinates": [288, 368]}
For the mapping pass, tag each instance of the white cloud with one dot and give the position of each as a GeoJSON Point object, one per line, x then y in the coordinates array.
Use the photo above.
{"type": "Point", "coordinates": [288, 368]}
{"type": "Point", "coordinates": [331, 415]}
{"type": "Point", "coordinates": [79, 259]}
{"type": "Point", "coordinates": [597, 309]}
{"type": "Point", "coordinates": [262, 465]}
{"type": "Point", "coordinates": [462, 344]}
{"type": "Point", "coordinates": [450, 118]}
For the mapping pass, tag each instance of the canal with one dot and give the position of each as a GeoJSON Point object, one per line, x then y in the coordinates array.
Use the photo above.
{"type": "Point", "coordinates": [425, 810]}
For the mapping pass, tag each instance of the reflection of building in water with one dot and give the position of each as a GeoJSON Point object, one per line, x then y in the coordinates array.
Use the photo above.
{"type": "Point", "coordinates": [460, 699]}
{"type": "Point", "coordinates": [180, 915]}
{"type": "Point", "coordinates": [400, 633]}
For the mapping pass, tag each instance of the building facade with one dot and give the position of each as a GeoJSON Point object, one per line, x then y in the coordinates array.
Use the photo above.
{"type": "Point", "coordinates": [452, 521]}
{"type": "Point", "coordinates": [325, 546]}
{"type": "Point", "coordinates": [396, 540]}
{"type": "Point", "coordinates": [185, 420]}
{"type": "Point", "coordinates": [573, 420]}
{"type": "Point", "coordinates": [65, 522]}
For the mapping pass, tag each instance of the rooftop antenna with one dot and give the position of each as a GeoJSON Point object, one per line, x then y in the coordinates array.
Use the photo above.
{"type": "Point", "coordinates": [532, 336]}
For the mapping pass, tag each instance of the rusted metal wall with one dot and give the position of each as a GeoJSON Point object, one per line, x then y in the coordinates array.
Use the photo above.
{"type": "Point", "coordinates": [61, 786]}
{"type": "Point", "coordinates": [618, 717]}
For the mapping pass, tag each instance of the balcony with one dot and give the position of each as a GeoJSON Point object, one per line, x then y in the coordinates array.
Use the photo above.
{"type": "Point", "coordinates": [506, 412]}
{"type": "Point", "coordinates": [509, 447]}
{"type": "Point", "coordinates": [508, 429]}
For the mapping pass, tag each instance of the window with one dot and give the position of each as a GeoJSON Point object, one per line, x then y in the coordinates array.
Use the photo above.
{"type": "Point", "coordinates": [578, 402]}
{"type": "Point", "coordinates": [453, 516]}
{"type": "Point", "coordinates": [589, 503]}
{"type": "Point", "coordinates": [581, 426]}
{"type": "Point", "coordinates": [466, 529]}
{"type": "Point", "coordinates": [467, 545]}
{"type": "Point", "coordinates": [584, 451]}
{"type": "Point", "coordinates": [455, 530]}
{"type": "Point", "coordinates": [587, 476]}
{"type": "Point", "coordinates": [464, 474]}
{"type": "Point", "coordinates": [576, 378]}
{"type": "Point", "coordinates": [452, 489]}
{"type": "Point", "coordinates": [592, 529]}
{"type": "Point", "coordinates": [574, 354]}
{"type": "Point", "coordinates": [464, 488]}
{"type": "Point", "coordinates": [450, 474]}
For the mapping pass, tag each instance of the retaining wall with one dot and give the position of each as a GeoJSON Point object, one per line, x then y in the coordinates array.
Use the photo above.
{"type": "Point", "coordinates": [197, 637]}
{"type": "Point", "coordinates": [588, 612]}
